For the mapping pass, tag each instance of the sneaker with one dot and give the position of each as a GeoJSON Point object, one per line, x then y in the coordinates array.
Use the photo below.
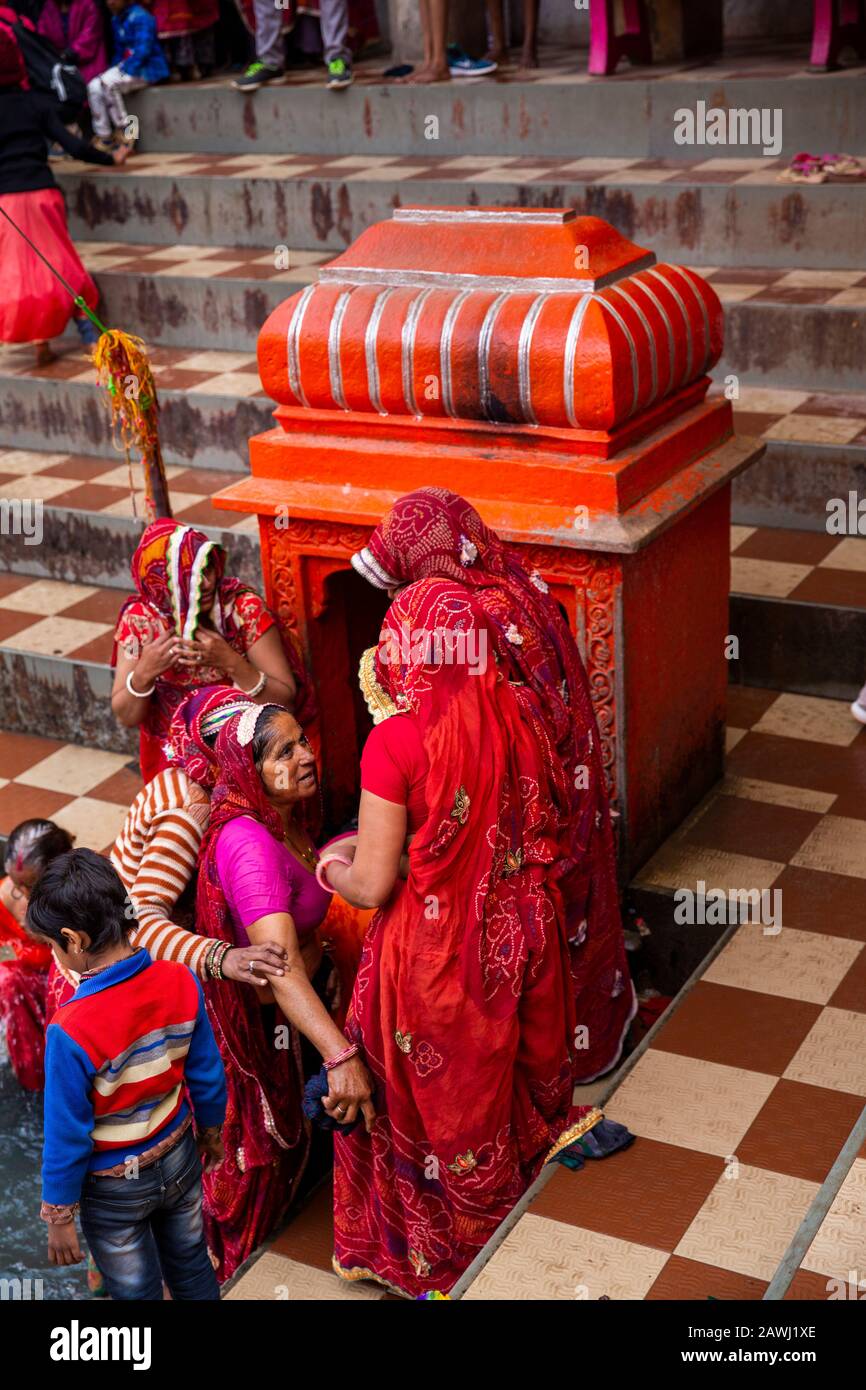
{"type": "Point", "coordinates": [339, 74]}
{"type": "Point", "coordinates": [461, 65]}
{"type": "Point", "coordinates": [106, 143]}
{"type": "Point", "coordinates": [859, 712]}
{"type": "Point", "coordinates": [256, 75]}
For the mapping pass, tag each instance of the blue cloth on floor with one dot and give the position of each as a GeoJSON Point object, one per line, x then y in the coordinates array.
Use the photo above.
{"type": "Point", "coordinates": [604, 1138]}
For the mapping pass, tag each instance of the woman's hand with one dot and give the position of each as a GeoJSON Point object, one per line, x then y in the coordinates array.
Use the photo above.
{"type": "Point", "coordinates": [210, 649]}
{"type": "Point", "coordinates": [156, 657]}
{"type": "Point", "coordinates": [63, 1247]}
{"type": "Point", "coordinates": [210, 1147]}
{"type": "Point", "coordinates": [267, 959]}
{"type": "Point", "coordinates": [121, 154]}
{"type": "Point", "coordinates": [350, 1089]}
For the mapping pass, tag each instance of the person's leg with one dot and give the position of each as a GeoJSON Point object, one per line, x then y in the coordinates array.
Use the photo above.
{"type": "Point", "coordinates": [115, 85]}
{"type": "Point", "coordinates": [498, 50]}
{"type": "Point", "coordinates": [115, 1222]}
{"type": "Point", "coordinates": [436, 69]}
{"type": "Point", "coordinates": [529, 52]}
{"type": "Point", "coordinates": [98, 101]}
{"type": "Point", "coordinates": [270, 44]}
{"type": "Point", "coordinates": [334, 18]}
{"type": "Point", "coordinates": [178, 1227]}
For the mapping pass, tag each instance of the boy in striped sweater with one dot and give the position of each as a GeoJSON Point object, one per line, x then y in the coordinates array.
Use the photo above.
{"type": "Point", "coordinates": [131, 1065]}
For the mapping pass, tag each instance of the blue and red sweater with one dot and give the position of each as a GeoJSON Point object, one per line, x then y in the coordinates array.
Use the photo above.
{"type": "Point", "coordinates": [121, 1057]}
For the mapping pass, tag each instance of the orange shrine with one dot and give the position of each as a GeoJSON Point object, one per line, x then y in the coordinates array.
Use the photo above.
{"type": "Point", "coordinates": [550, 371]}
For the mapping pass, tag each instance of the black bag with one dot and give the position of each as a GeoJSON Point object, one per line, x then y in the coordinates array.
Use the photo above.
{"type": "Point", "coordinates": [47, 71]}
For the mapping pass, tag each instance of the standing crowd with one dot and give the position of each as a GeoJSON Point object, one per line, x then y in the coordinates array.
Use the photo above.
{"type": "Point", "coordinates": [427, 984]}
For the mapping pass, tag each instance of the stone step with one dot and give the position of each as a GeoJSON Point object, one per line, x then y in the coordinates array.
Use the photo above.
{"type": "Point", "coordinates": [194, 296]}
{"type": "Point", "coordinates": [210, 404]}
{"type": "Point", "coordinates": [787, 328]}
{"type": "Point", "coordinates": [798, 611]}
{"type": "Point", "coordinates": [89, 522]}
{"type": "Point", "coordinates": [558, 108]}
{"type": "Point", "coordinates": [719, 211]}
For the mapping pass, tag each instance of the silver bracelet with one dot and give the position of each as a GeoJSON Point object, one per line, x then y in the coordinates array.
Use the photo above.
{"type": "Point", "coordinates": [139, 694]}
{"type": "Point", "coordinates": [257, 688]}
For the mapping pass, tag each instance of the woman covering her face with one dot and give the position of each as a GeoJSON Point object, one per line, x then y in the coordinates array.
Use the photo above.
{"type": "Point", "coordinates": [494, 977]}
{"type": "Point", "coordinates": [187, 626]}
{"type": "Point", "coordinates": [257, 883]}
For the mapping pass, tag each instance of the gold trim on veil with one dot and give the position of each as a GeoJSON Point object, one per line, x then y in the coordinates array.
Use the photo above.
{"type": "Point", "coordinates": [379, 703]}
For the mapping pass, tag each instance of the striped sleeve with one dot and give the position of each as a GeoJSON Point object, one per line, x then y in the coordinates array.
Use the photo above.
{"type": "Point", "coordinates": [155, 855]}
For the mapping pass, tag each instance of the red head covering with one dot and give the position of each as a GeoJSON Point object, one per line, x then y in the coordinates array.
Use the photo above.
{"type": "Point", "coordinates": [12, 70]}
{"type": "Point", "coordinates": [167, 570]}
{"type": "Point", "coordinates": [194, 725]}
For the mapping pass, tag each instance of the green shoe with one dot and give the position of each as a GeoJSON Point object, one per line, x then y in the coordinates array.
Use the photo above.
{"type": "Point", "coordinates": [339, 74]}
{"type": "Point", "coordinates": [256, 75]}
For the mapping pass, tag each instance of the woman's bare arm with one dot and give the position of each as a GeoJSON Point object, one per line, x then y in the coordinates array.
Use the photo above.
{"type": "Point", "coordinates": [376, 865]}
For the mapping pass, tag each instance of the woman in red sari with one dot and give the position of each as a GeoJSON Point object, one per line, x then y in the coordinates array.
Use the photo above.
{"type": "Point", "coordinates": [257, 884]}
{"type": "Point", "coordinates": [494, 977]}
{"type": "Point", "coordinates": [190, 625]}
{"type": "Point", "coordinates": [30, 848]}
{"type": "Point", "coordinates": [187, 31]}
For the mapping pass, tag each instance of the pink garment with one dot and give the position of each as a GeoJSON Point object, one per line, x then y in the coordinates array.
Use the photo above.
{"type": "Point", "coordinates": [85, 35]}
{"type": "Point", "coordinates": [394, 766]}
{"type": "Point", "coordinates": [259, 875]}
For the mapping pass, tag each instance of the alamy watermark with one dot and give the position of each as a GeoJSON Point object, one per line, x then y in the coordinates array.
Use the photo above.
{"type": "Point", "coordinates": [718, 125]}
{"type": "Point", "coordinates": [436, 647]}
{"type": "Point", "coordinates": [22, 517]}
{"type": "Point", "coordinates": [703, 906]}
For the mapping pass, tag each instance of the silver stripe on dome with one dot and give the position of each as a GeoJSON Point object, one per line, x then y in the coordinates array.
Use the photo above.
{"type": "Point", "coordinates": [409, 278]}
{"type": "Point", "coordinates": [292, 341]}
{"type": "Point", "coordinates": [335, 371]}
{"type": "Point", "coordinates": [624, 290]}
{"type": "Point", "coordinates": [484, 340]}
{"type": "Point", "coordinates": [571, 338]}
{"type": "Point", "coordinates": [445, 350]}
{"type": "Point", "coordinates": [690, 355]}
{"type": "Point", "coordinates": [635, 370]}
{"type": "Point", "coordinates": [371, 337]}
{"type": "Point", "coordinates": [524, 347]}
{"type": "Point", "coordinates": [703, 308]}
{"type": "Point", "coordinates": [663, 313]}
{"type": "Point", "coordinates": [407, 350]}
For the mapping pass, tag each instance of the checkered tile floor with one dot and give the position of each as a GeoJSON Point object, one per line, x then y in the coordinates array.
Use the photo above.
{"type": "Point", "coordinates": [751, 1087]}
{"type": "Point", "coordinates": [100, 485]}
{"type": "Point", "coordinates": [193, 370]}
{"type": "Point", "coordinates": [805, 566]}
{"type": "Point", "coordinates": [53, 618]}
{"type": "Point", "coordinates": [828, 417]}
{"type": "Point", "coordinates": [733, 285]}
{"type": "Point", "coordinates": [470, 169]}
{"type": "Point", "coordinates": [85, 790]}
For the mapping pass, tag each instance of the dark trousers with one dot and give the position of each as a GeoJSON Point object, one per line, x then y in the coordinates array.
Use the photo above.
{"type": "Point", "coordinates": [148, 1229]}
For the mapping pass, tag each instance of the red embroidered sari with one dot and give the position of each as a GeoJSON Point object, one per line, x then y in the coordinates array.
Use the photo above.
{"type": "Point", "coordinates": [167, 569]}
{"type": "Point", "coordinates": [265, 1134]}
{"type": "Point", "coordinates": [494, 978]}
{"type": "Point", "coordinates": [23, 985]}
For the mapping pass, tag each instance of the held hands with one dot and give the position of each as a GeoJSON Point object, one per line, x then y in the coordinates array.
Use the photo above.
{"type": "Point", "coordinates": [210, 1147]}
{"type": "Point", "coordinates": [207, 649]}
{"type": "Point", "coordinates": [350, 1089]}
{"type": "Point", "coordinates": [265, 960]}
{"type": "Point", "coordinates": [63, 1246]}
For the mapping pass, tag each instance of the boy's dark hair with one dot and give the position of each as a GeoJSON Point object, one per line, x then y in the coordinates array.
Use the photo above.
{"type": "Point", "coordinates": [34, 843]}
{"type": "Point", "coordinates": [82, 891]}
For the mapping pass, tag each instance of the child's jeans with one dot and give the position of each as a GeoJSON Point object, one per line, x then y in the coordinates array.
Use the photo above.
{"type": "Point", "coordinates": [147, 1229]}
{"type": "Point", "coordinates": [105, 95]}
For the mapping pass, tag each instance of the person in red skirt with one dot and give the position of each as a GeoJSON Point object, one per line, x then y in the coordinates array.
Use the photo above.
{"type": "Point", "coordinates": [34, 306]}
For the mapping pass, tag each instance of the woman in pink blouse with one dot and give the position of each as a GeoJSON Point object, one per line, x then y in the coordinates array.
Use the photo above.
{"type": "Point", "coordinates": [76, 28]}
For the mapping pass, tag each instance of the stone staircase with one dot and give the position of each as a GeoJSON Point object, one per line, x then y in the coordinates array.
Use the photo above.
{"type": "Point", "coordinates": [232, 205]}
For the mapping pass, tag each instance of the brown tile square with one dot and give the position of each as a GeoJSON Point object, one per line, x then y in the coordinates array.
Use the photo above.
{"type": "Point", "coordinates": [851, 991]}
{"type": "Point", "coordinates": [841, 588]}
{"type": "Point", "coordinates": [753, 421]}
{"type": "Point", "coordinates": [12, 622]}
{"type": "Point", "coordinates": [90, 497]}
{"type": "Point", "coordinates": [689, 1279]}
{"type": "Point", "coordinates": [800, 1130]}
{"type": "Point", "coordinates": [18, 803]}
{"type": "Point", "coordinates": [101, 607]}
{"type": "Point", "coordinates": [832, 904]}
{"type": "Point", "coordinates": [80, 467]}
{"type": "Point", "coordinates": [205, 514]}
{"type": "Point", "coordinates": [179, 378]}
{"type": "Point", "coordinates": [737, 1027]}
{"type": "Point", "coordinates": [99, 650]}
{"type": "Point", "coordinates": [746, 704]}
{"type": "Point", "coordinates": [18, 752]}
{"type": "Point", "coordinates": [10, 583]}
{"type": "Point", "coordinates": [649, 1193]}
{"type": "Point", "coordinates": [794, 294]}
{"type": "Point", "coordinates": [809, 1287]}
{"type": "Point", "coordinates": [121, 787]}
{"type": "Point", "coordinates": [248, 272]}
{"type": "Point", "coordinates": [846, 404]}
{"type": "Point", "coordinates": [61, 370]}
{"type": "Point", "coordinates": [798, 762]}
{"type": "Point", "coordinates": [205, 480]}
{"type": "Point", "coordinates": [754, 828]}
{"type": "Point", "coordinates": [792, 547]}
{"type": "Point", "coordinates": [309, 1236]}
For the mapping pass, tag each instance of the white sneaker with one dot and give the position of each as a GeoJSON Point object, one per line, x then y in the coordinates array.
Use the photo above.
{"type": "Point", "coordinates": [859, 712]}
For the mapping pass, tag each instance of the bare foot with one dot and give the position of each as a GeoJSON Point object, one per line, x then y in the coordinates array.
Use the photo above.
{"type": "Point", "coordinates": [528, 60]}
{"type": "Point", "coordinates": [496, 55]}
{"type": "Point", "coordinates": [44, 355]}
{"type": "Point", "coordinates": [432, 74]}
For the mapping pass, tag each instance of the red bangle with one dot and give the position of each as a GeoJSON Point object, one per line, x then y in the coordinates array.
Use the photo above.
{"type": "Point", "coordinates": [341, 1057]}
